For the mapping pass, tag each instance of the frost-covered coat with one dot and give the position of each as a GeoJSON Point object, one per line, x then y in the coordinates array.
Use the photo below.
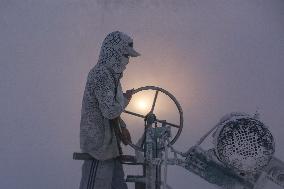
{"type": "Point", "coordinates": [103, 98]}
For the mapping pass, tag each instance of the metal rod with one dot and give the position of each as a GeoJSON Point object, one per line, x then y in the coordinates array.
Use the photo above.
{"type": "Point", "coordinates": [154, 102]}
{"type": "Point", "coordinates": [167, 123]}
{"type": "Point", "coordinates": [135, 114]}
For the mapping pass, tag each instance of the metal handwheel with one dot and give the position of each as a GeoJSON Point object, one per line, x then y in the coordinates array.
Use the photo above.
{"type": "Point", "coordinates": [158, 89]}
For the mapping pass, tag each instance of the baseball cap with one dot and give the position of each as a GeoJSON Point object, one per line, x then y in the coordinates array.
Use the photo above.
{"type": "Point", "coordinates": [131, 51]}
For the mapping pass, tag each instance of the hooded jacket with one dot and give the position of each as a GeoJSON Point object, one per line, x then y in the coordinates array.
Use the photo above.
{"type": "Point", "coordinates": [103, 98]}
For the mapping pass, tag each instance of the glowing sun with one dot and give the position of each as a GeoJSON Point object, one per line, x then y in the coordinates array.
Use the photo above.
{"type": "Point", "coordinates": [142, 104]}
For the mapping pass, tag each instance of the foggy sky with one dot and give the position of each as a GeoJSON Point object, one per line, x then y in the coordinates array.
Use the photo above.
{"type": "Point", "coordinates": [214, 56]}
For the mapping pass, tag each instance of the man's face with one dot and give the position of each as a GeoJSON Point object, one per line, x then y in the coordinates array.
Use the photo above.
{"type": "Point", "coordinates": [124, 60]}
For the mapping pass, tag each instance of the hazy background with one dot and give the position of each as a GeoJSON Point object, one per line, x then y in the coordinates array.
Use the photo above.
{"type": "Point", "coordinates": [215, 56]}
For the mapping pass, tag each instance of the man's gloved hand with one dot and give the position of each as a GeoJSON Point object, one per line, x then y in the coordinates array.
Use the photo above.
{"type": "Point", "coordinates": [128, 94]}
{"type": "Point", "coordinates": [125, 136]}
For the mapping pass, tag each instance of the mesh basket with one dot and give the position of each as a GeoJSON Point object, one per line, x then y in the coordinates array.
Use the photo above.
{"type": "Point", "coordinates": [243, 143]}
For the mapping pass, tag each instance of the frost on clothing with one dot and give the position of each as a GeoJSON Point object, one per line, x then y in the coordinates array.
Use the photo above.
{"type": "Point", "coordinates": [114, 47]}
{"type": "Point", "coordinates": [103, 99]}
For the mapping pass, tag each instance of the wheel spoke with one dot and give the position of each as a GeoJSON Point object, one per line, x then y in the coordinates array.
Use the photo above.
{"type": "Point", "coordinates": [142, 116]}
{"type": "Point", "coordinates": [154, 102]}
{"type": "Point", "coordinates": [133, 113]}
{"type": "Point", "coordinates": [171, 124]}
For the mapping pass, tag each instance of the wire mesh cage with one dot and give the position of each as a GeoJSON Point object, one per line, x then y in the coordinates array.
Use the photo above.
{"type": "Point", "coordinates": [244, 143]}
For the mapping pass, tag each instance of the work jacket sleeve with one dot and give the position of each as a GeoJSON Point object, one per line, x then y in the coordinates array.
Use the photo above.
{"type": "Point", "coordinates": [105, 92]}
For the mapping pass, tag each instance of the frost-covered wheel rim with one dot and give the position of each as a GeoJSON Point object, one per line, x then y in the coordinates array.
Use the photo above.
{"type": "Point", "coordinates": [178, 126]}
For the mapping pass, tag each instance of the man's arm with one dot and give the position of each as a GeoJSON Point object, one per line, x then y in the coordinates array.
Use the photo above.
{"type": "Point", "coordinates": [105, 93]}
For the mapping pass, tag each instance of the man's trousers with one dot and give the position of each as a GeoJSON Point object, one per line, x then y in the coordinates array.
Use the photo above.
{"type": "Point", "coordinates": [106, 174]}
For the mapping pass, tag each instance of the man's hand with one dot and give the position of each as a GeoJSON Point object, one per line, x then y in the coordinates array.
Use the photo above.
{"type": "Point", "coordinates": [125, 136]}
{"type": "Point", "coordinates": [128, 95]}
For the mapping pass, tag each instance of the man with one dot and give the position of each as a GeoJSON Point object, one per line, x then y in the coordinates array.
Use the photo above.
{"type": "Point", "coordinates": [101, 127]}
